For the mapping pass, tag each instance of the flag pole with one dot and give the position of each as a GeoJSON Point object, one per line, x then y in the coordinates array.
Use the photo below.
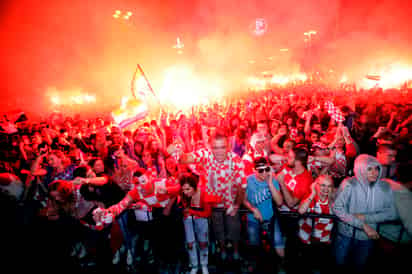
{"type": "Point", "coordinates": [148, 84]}
{"type": "Point", "coordinates": [133, 86]}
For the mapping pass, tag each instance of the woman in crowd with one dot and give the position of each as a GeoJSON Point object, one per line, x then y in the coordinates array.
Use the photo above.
{"type": "Point", "coordinates": [196, 213]}
{"type": "Point", "coordinates": [316, 237]}
{"type": "Point", "coordinates": [115, 146]}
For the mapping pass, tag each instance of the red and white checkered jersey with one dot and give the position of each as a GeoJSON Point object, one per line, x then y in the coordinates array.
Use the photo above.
{"type": "Point", "coordinates": [151, 172]}
{"type": "Point", "coordinates": [154, 199]}
{"type": "Point", "coordinates": [125, 180]}
{"type": "Point", "coordinates": [314, 165]}
{"type": "Point", "coordinates": [338, 168]}
{"type": "Point", "coordinates": [334, 112]}
{"type": "Point", "coordinates": [293, 133]}
{"type": "Point", "coordinates": [322, 228]}
{"type": "Point", "coordinates": [224, 179]}
{"type": "Point", "coordinates": [249, 158]}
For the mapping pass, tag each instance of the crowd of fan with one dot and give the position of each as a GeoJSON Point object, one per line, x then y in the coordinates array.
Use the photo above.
{"type": "Point", "coordinates": [163, 193]}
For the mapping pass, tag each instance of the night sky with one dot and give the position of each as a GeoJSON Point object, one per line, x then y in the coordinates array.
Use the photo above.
{"type": "Point", "coordinates": [78, 45]}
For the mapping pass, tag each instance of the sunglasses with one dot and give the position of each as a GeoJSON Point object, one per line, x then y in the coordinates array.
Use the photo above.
{"type": "Point", "coordinates": [261, 170]}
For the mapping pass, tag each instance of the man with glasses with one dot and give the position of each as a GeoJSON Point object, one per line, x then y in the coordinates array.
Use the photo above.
{"type": "Point", "coordinates": [262, 190]}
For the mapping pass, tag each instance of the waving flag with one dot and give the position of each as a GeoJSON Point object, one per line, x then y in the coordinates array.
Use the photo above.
{"type": "Point", "coordinates": [135, 108]}
{"type": "Point", "coordinates": [140, 85]}
{"type": "Point", "coordinates": [131, 111]}
{"type": "Point", "coordinates": [334, 112]}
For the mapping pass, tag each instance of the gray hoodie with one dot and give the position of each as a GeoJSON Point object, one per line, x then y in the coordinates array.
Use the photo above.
{"type": "Point", "coordinates": [357, 196]}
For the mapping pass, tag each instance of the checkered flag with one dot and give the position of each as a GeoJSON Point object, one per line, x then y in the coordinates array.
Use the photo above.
{"type": "Point", "coordinates": [334, 112]}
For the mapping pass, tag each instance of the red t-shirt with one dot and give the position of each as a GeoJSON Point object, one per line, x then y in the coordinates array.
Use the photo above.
{"type": "Point", "coordinates": [298, 185]}
{"type": "Point", "coordinates": [202, 209]}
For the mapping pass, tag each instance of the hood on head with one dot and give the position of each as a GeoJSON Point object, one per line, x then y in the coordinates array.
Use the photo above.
{"type": "Point", "coordinates": [362, 162]}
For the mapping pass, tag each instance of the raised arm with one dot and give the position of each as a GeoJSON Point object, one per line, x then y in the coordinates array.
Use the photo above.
{"type": "Point", "coordinates": [35, 169]}
{"type": "Point", "coordinates": [276, 195]}
{"type": "Point", "coordinates": [305, 204]}
{"type": "Point", "coordinates": [289, 199]}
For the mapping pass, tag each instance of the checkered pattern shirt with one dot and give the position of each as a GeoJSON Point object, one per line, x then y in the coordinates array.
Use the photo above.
{"type": "Point", "coordinates": [314, 165]}
{"type": "Point", "coordinates": [338, 168]}
{"type": "Point", "coordinates": [223, 179]}
{"type": "Point", "coordinates": [322, 228]}
{"type": "Point", "coordinates": [249, 158]}
{"type": "Point", "coordinates": [154, 199]}
{"type": "Point", "coordinates": [151, 172]}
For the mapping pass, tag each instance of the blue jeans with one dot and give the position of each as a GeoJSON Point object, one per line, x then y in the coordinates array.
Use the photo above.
{"type": "Point", "coordinates": [360, 250]}
{"type": "Point", "coordinates": [272, 229]}
{"type": "Point", "coordinates": [196, 230]}
{"type": "Point", "coordinates": [123, 220]}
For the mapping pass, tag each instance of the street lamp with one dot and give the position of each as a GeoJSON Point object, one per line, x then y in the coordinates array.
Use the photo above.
{"type": "Point", "coordinates": [179, 46]}
{"type": "Point", "coordinates": [124, 15]}
{"type": "Point", "coordinates": [309, 35]}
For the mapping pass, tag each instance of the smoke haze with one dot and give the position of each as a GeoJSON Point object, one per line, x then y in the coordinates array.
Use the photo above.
{"type": "Point", "coordinates": [60, 47]}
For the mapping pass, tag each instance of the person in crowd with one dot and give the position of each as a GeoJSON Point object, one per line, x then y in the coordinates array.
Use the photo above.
{"type": "Point", "coordinates": [319, 160]}
{"type": "Point", "coordinates": [122, 168]}
{"type": "Point", "coordinates": [262, 129]}
{"type": "Point", "coordinates": [386, 155]}
{"type": "Point", "coordinates": [197, 210]}
{"type": "Point", "coordinates": [295, 181]}
{"type": "Point", "coordinates": [169, 243]}
{"type": "Point", "coordinates": [150, 191]}
{"type": "Point", "coordinates": [361, 202]}
{"type": "Point", "coordinates": [239, 141]}
{"type": "Point", "coordinates": [278, 141]}
{"type": "Point", "coordinates": [257, 150]}
{"type": "Point", "coordinates": [316, 233]}
{"type": "Point", "coordinates": [262, 190]}
{"type": "Point", "coordinates": [50, 166]}
{"type": "Point", "coordinates": [226, 181]}
{"type": "Point", "coordinates": [71, 203]}
{"type": "Point", "coordinates": [43, 151]}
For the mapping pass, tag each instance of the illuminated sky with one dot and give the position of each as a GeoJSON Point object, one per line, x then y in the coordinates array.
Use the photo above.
{"type": "Point", "coordinates": [78, 45]}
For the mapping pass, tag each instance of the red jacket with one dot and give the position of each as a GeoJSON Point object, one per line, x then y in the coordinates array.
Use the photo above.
{"type": "Point", "coordinates": [201, 210]}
